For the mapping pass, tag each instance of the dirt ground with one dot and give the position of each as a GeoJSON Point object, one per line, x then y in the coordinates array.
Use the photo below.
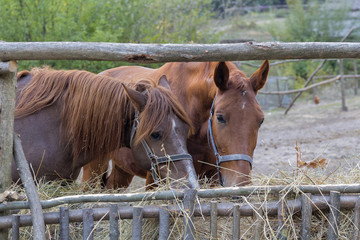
{"type": "Point", "coordinates": [321, 130]}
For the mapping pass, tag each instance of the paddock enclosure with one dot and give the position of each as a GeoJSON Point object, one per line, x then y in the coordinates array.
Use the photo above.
{"type": "Point", "coordinates": [296, 201]}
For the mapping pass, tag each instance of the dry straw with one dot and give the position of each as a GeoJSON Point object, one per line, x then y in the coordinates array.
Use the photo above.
{"type": "Point", "coordinates": [260, 226]}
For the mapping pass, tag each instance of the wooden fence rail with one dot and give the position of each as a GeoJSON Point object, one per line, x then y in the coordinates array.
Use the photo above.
{"type": "Point", "coordinates": [176, 52]}
{"type": "Point", "coordinates": [178, 194]}
{"type": "Point", "coordinates": [304, 205]}
{"type": "Point", "coordinates": [7, 106]}
{"type": "Point", "coordinates": [137, 53]}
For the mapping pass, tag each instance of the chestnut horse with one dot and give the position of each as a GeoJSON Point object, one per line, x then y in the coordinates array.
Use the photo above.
{"type": "Point", "coordinates": [67, 119]}
{"type": "Point", "coordinates": [221, 102]}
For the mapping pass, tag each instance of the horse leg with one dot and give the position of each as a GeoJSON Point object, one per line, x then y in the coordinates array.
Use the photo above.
{"type": "Point", "coordinates": [118, 179]}
{"type": "Point", "coordinates": [150, 183]}
{"type": "Point", "coordinates": [94, 169]}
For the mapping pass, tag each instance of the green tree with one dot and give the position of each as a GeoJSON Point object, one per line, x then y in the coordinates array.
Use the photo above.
{"type": "Point", "coordinates": [127, 21]}
{"type": "Point", "coordinates": [318, 21]}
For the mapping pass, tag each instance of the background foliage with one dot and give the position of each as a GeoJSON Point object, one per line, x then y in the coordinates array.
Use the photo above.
{"type": "Point", "coordinates": [317, 21]}
{"type": "Point", "coordinates": [173, 21]}
{"type": "Point", "coordinates": [128, 21]}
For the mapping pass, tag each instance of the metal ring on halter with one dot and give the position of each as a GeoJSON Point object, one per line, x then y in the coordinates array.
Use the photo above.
{"type": "Point", "coordinates": [225, 158]}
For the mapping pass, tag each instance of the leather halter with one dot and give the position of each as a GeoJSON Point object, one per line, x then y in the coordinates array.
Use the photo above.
{"type": "Point", "coordinates": [155, 160]}
{"type": "Point", "coordinates": [225, 158]}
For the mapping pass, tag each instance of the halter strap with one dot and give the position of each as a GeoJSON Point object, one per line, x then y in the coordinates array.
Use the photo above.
{"type": "Point", "coordinates": [225, 158]}
{"type": "Point", "coordinates": [155, 160]}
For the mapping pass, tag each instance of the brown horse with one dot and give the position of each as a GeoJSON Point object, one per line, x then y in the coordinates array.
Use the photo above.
{"type": "Point", "coordinates": [221, 102]}
{"type": "Point", "coordinates": [67, 119]}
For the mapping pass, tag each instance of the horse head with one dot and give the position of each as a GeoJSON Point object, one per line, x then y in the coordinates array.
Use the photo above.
{"type": "Point", "coordinates": [235, 120]}
{"type": "Point", "coordinates": [159, 135]}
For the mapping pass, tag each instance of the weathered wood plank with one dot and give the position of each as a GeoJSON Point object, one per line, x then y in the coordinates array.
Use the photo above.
{"type": "Point", "coordinates": [282, 215]}
{"type": "Point", "coordinates": [137, 223]}
{"type": "Point", "coordinates": [6, 67]}
{"type": "Point", "coordinates": [30, 189]}
{"type": "Point", "coordinates": [15, 228]}
{"type": "Point", "coordinates": [357, 220]}
{"type": "Point", "coordinates": [213, 220]}
{"type": "Point", "coordinates": [88, 224]}
{"type": "Point", "coordinates": [306, 213]}
{"type": "Point", "coordinates": [64, 223]}
{"type": "Point", "coordinates": [259, 219]}
{"type": "Point", "coordinates": [114, 222]}
{"type": "Point", "coordinates": [356, 87]}
{"type": "Point", "coordinates": [172, 194]}
{"type": "Point", "coordinates": [302, 89]}
{"type": "Point", "coordinates": [129, 52]}
{"type": "Point", "coordinates": [164, 223]}
{"type": "Point", "coordinates": [7, 106]}
{"type": "Point", "coordinates": [342, 85]}
{"type": "Point", "coordinates": [334, 216]}
{"type": "Point", "coordinates": [189, 206]}
{"type": "Point", "coordinates": [236, 222]}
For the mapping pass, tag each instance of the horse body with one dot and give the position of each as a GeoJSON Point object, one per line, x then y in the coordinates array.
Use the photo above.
{"type": "Point", "coordinates": [67, 119]}
{"type": "Point", "coordinates": [237, 115]}
{"type": "Point", "coordinates": [31, 131]}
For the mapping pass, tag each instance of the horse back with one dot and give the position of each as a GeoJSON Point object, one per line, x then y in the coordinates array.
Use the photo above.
{"type": "Point", "coordinates": [131, 74]}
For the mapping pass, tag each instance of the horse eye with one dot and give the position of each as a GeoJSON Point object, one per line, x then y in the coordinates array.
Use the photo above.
{"type": "Point", "coordinates": [220, 118]}
{"type": "Point", "coordinates": [261, 122]}
{"type": "Point", "coordinates": [156, 135]}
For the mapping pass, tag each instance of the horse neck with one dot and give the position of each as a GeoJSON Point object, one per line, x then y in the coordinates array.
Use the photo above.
{"type": "Point", "coordinates": [193, 85]}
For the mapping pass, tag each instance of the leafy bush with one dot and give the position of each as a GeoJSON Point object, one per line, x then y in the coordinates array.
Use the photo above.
{"type": "Point", "coordinates": [128, 21]}
{"type": "Point", "coordinates": [318, 21]}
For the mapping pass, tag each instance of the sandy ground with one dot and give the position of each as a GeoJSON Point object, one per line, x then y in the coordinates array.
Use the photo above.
{"type": "Point", "coordinates": [320, 130]}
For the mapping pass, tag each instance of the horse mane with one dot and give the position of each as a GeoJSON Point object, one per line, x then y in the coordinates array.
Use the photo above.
{"type": "Point", "coordinates": [96, 111]}
{"type": "Point", "coordinates": [163, 102]}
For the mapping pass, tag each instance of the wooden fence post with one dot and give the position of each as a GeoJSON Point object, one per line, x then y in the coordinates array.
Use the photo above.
{"type": "Point", "coordinates": [281, 212]}
{"type": "Point", "coordinates": [7, 106]}
{"type": "Point", "coordinates": [343, 103]}
{"type": "Point", "coordinates": [213, 220]}
{"type": "Point", "coordinates": [189, 206]}
{"type": "Point", "coordinates": [334, 215]}
{"type": "Point", "coordinates": [356, 79]}
{"type": "Point", "coordinates": [306, 213]}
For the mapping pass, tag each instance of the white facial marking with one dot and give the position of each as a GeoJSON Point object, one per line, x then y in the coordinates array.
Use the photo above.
{"type": "Point", "coordinates": [109, 169]}
{"type": "Point", "coordinates": [80, 176]}
{"type": "Point", "coordinates": [180, 146]}
{"type": "Point", "coordinates": [243, 105]}
{"type": "Point", "coordinates": [173, 123]}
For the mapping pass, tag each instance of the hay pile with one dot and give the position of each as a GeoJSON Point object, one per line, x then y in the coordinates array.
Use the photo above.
{"type": "Point", "coordinates": [265, 227]}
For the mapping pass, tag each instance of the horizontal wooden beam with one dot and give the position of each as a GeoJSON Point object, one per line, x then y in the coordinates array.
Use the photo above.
{"type": "Point", "coordinates": [302, 89]}
{"type": "Point", "coordinates": [150, 53]}
{"type": "Point", "coordinates": [179, 194]}
{"type": "Point", "coordinates": [224, 209]}
{"type": "Point", "coordinates": [9, 66]}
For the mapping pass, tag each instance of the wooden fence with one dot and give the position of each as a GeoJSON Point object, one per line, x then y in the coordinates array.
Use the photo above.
{"type": "Point", "coordinates": [280, 86]}
{"type": "Point", "coordinates": [176, 52]}
{"type": "Point", "coordinates": [133, 53]}
{"type": "Point", "coordinates": [309, 201]}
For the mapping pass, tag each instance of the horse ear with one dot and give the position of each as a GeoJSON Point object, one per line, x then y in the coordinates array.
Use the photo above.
{"type": "Point", "coordinates": [258, 79]}
{"type": "Point", "coordinates": [164, 82]}
{"type": "Point", "coordinates": [221, 76]}
{"type": "Point", "coordinates": [137, 98]}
